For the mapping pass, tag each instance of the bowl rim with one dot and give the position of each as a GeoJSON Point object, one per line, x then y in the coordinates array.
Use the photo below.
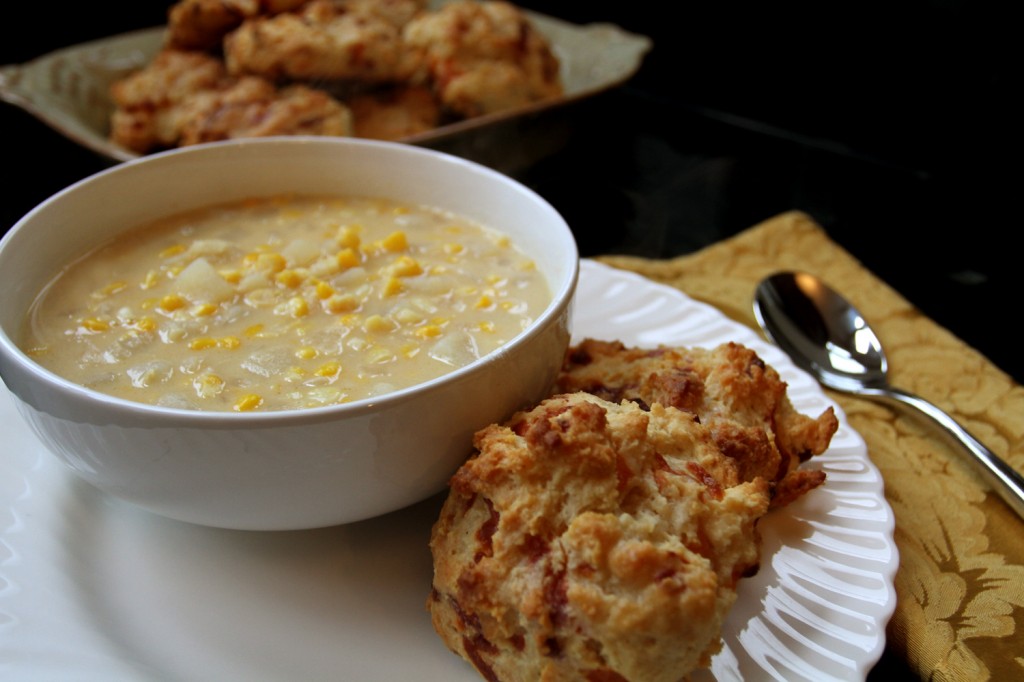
{"type": "Point", "coordinates": [562, 296]}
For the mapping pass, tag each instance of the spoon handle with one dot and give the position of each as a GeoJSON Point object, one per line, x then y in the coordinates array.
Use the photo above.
{"type": "Point", "coordinates": [1003, 479]}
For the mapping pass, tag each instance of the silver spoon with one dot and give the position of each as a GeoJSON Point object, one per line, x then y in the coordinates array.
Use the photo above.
{"type": "Point", "coordinates": [828, 338]}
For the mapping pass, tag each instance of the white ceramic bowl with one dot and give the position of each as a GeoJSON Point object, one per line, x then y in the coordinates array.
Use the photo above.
{"type": "Point", "coordinates": [290, 469]}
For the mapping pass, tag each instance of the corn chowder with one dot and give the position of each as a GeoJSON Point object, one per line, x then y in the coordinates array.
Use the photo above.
{"type": "Point", "coordinates": [282, 303]}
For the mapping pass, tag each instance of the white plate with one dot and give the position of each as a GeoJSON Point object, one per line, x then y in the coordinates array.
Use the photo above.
{"type": "Point", "coordinates": [93, 589]}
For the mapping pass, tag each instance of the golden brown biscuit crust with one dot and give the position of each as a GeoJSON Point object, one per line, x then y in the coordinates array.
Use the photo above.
{"type": "Point", "coordinates": [252, 107]}
{"type": "Point", "coordinates": [320, 42]}
{"type": "Point", "coordinates": [592, 540]}
{"type": "Point", "coordinates": [484, 57]}
{"type": "Point", "coordinates": [730, 389]}
{"type": "Point", "coordinates": [394, 113]}
{"type": "Point", "coordinates": [184, 97]}
{"type": "Point", "coordinates": [202, 24]}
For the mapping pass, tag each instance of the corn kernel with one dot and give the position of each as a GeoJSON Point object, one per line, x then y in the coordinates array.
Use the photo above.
{"type": "Point", "coordinates": [328, 369]}
{"type": "Point", "coordinates": [297, 307]}
{"type": "Point", "coordinates": [229, 342]}
{"type": "Point", "coordinates": [396, 241]}
{"type": "Point", "coordinates": [254, 330]}
{"type": "Point", "coordinates": [402, 210]}
{"type": "Point", "coordinates": [378, 324]}
{"type": "Point", "coordinates": [486, 327]}
{"type": "Point", "coordinates": [527, 266]}
{"type": "Point", "coordinates": [454, 248]}
{"type": "Point", "coordinates": [204, 310]}
{"type": "Point", "coordinates": [484, 301]}
{"type": "Point", "coordinates": [202, 343]}
{"type": "Point", "coordinates": [145, 324]}
{"type": "Point", "coordinates": [172, 251]}
{"type": "Point", "coordinates": [428, 331]}
{"type": "Point", "coordinates": [208, 385]}
{"type": "Point", "coordinates": [267, 262]}
{"type": "Point", "coordinates": [341, 303]}
{"type": "Point", "coordinates": [175, 270]}
{"type": "Point", "coordinates": [231, 276]}
{"type": "Point", "coordinates": [247, 402]}
{"type": "Point", "coordinates": [172, 302]}
{"type": "Point", "coordinates": [347, 258]}
{"type": "Point", "coordinates": [306, 353]}
{"type": "Point", "coordinates": [112, 288]}
{"type": "Point", "coordinates": [348, 236]}
{"type": "Point", "coordinates": [290, 278]}
{"type": "Point", "coordinates": [94, 324]}
{"type": "Point", "coordinates": [324, 290]}
{"type": "Point", "coordinates": [405, 266]}
{"type": "Point", "coordinates": [393, 286]}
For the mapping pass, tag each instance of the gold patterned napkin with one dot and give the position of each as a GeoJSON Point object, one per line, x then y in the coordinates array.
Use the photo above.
{"type": "Point", "coordinates": [960, 585]}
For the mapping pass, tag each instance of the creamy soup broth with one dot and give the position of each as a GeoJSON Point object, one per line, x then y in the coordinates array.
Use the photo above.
{"type": "Point", "coordinates": [284, 302]}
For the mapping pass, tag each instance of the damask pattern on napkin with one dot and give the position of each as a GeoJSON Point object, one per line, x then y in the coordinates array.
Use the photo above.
{"type": "Point", "coordinates": [960, 585]}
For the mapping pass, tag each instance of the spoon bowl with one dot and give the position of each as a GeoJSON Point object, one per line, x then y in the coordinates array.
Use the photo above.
{"type": "Point", "coordinates": [826, 336]}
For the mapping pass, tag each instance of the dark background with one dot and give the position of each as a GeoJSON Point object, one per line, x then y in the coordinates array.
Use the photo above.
{"type": "Point", "coordinates": [890, 124]}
